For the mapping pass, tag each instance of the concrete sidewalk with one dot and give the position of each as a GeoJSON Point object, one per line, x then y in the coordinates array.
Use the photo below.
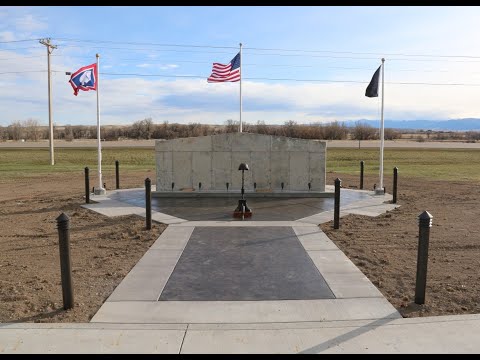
{"type": "Point", "coordinates": [266, 262]}
{"type": "Point", "coordinates": [443, 334]}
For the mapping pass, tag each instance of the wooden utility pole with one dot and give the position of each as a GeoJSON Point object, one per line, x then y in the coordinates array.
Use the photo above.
{"type": "Point", "coordinates": [50, 48]}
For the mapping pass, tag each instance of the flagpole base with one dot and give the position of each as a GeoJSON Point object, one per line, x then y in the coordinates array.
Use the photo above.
{"type": "Point", "coordinates": [380, 191]}
{"type": "Point", "coordinates": [100, 191]}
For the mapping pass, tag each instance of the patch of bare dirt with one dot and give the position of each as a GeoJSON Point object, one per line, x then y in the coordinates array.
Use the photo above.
{"type": "Point", "coordinates": [385, 247]}
{"type": "Point", "coordinates": [103, 249]}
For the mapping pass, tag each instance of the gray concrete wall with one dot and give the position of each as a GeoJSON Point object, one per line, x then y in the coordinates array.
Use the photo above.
{"type": "Point", "coordinates": [214, 160]}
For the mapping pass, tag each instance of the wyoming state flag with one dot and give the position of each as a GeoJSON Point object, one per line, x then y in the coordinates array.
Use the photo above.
{"type": "Point", "coordinates": [84, 79]}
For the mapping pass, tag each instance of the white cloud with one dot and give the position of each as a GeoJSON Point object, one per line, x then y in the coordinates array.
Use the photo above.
{"type": "Point", "coordinates": [124, 100]}
{"type": "Point", "coordinates": [129, 99]}
{"type": "Point", "coordinates": [30, 23]}
{"type": "Point", "coordinates": [159, 66]}
{"type": "Point", "coordinates": [7, 36]}
{"type": "Point", "coordinates": [168, 66]}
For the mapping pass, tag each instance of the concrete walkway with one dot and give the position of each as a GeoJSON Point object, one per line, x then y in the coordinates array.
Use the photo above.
{"type": "Point", "coordinates": [344, 313]}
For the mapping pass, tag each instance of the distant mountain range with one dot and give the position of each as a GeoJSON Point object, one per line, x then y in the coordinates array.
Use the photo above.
{"type": "Point", "coordinates": [435, 125]}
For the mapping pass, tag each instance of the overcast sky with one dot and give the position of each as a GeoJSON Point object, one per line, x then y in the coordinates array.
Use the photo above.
{"type": "Point", "coordinates": [307, 64]}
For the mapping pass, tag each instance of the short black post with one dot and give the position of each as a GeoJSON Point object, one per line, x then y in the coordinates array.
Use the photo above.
{"type": "Point", "coordinates": [87, 187]}
{"type": "Point", "coordinates": [117, 175]}
{"type": "Point", "coordinates": [395, 177]}
{"type": "Point", "coordinates": [199, 186]}
{"type": "Point", "coordinates": [227, 185]}
{"type": "Point", "coordinates": [336, 212]}
{"type": "Point", "coordinates": [148, 203]}
{"type": "Point", "coordinates": [362, 165]}
{"type": "Point", "coordinates": [173, 185]}
{"type": "Point", "coordinates": [424, 224]}
{"type": "Point", "coordinates": [63, 225]}
{"type": "Point", "coordinates": [282, 185]}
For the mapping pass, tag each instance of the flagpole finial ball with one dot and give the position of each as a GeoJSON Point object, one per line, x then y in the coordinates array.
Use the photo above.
{"type": "Point", "coordinates": [383, 59]}
{"type": "Point", "coordinates": [97, 55]}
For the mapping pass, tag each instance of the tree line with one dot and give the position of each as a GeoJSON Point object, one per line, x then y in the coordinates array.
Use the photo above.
{"type": "Point", "coordinates": [31, 130]}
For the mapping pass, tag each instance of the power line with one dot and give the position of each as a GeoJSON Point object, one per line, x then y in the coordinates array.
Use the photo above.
{"type": "Point", "coordinates": [21, 72]}
{"type": "Point", "coordinates": [20, 48]}
{"type": "Point", "coordinates": [292, 79]}
{"type": "Point", "coordinates": [156, 61]}
{"type": "Point", "coordinates": [277, 54]}
{"type": "Point", "coordinates": [15, 41]}
{"type": "Point", "coordinates": [284, 55]}
{"type": "Point", "coordinates": [147, 44]}
{"type": "Point", "coordinates": [367, 58]}
{"type": "Point", "coordinates": [144, 49]}
{"type": "Point", "coordinates": [255, 78]}
{"type": "Point", "coordinates": [20, 57]}
{"type": "Point", "coordinates": [270, 49]}
{"type": "Point", "coordinates": [364, 53]}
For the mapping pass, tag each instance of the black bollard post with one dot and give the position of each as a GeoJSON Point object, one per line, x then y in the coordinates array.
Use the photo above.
{"type": "Point", "coordinates": [362, 165]}
{"type": "Point", "coordinates": [65, 267]}
{"type": "Point", "coordinates": [395, 177]}
{"type": "Point", "coordinates": [173, 185]}
{"type": "Point", "coordinates": [199, 186]}
{"type": "Point", "coordinates": [148, 203]}
{"type": "Point", "coordinates": [87, 187]}
{"type": "Point", "coordinates": [254, 186]}
{"type": "Point", "coordinates": [424, 224]}
{"type": "Point", "coordinates": [117, 175]}
{"type": "Point", "coordinates": [227, 185]}
{"type": "Point", "coordinates": [309, 186]}
{"type": "Point", "coordinates": [282, 185]}
{"type": "Point", "coordinates": [336, 212]}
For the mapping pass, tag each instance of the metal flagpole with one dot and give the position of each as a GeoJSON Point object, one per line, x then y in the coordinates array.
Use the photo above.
{"type": "Point", "coordinates": [381, 190]}
{"type": "Point", "coordinates": [241, 75]}
{"type": "Point", "coordinates": [100, 190]}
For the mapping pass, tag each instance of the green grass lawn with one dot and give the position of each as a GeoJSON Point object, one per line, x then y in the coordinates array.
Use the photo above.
{"type": "Point", "coordinates": [439, 164]}
{"type": "Point", "coordinates": [36, 162]}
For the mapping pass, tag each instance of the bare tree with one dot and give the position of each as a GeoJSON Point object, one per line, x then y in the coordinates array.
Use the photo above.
{"type": "Point", "coordinates": [362, 131]}
{"type": "Point", "coordinates": [68, 133]}
{"type": "Point", "coordinates": [472, 136]}
{"type": "Point", "coordinates": [232, 126]}
{"type": "Point", "coordinates": [335, 131]}
{"type": "Point", "coordinates": [290, 128]}
{"type": "Point", "coordinates": [32, 127]}
{"type": "Point", "coordinates": [392, 134]}
{"type": "Point", "coordinates": [3, 133]}
{"type": "Point", "coordinates": [142, 129]}
{"type": "Point", "coordinates": [261, 128]}
{"type": "Point", "coordinates": [15, 130]}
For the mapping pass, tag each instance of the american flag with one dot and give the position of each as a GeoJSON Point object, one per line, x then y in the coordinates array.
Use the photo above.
{"type": "Point", "coordinates": [229, 72]}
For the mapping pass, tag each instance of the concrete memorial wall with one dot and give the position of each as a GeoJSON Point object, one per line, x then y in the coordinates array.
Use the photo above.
{"type": "Point", "coordinates": [213, 161]}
